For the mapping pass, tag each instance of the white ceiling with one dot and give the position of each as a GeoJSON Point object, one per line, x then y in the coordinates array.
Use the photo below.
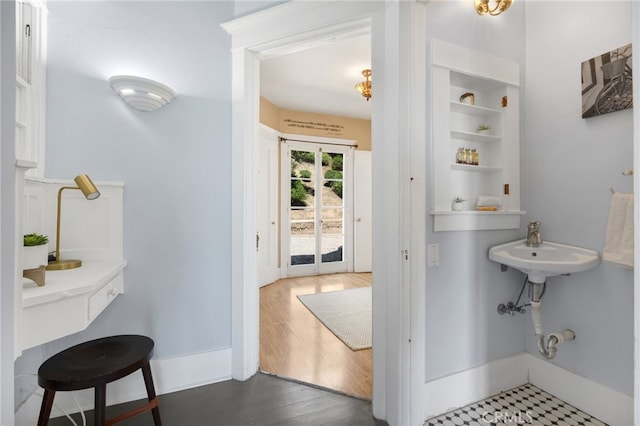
{"type": "Point", "coordinates": [320, 79]}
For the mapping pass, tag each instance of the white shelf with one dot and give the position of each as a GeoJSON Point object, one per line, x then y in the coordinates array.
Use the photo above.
{"type": "Point", "coordinates": [476, 212]}
{"type": "Point", "coordinates": [473, 136]}
{"type": "Point", "coordinates": [26, 164]}
{"type": "Point", "coordinates": [479, 169]}
{"type": "Point", "coordinates": [469, 220]}
{"type": "Point", "coordinates": [474, 109]}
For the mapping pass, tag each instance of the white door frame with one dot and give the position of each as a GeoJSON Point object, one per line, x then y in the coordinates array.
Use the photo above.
{"type": "Point", "coordinates": [398, 236]}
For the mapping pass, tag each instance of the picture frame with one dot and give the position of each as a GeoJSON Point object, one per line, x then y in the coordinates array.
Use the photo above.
{"type": "Point", "coordinates": [607, 84]}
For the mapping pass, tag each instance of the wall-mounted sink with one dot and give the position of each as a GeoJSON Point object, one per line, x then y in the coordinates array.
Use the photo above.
{"type": "Point", "coordinates": [547, 260]}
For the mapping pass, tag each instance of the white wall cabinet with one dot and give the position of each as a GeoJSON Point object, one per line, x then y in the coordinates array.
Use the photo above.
{"type": "Point", "coordinates": [31, 26]}
{"type": "Point", "coordinates": [494, 85]}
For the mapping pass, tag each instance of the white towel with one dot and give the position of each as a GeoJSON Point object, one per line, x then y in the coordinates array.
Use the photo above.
{"type": "Point", "coordinates": [488, 201]}
{"type": "Point", "coordinates": [619, 244]}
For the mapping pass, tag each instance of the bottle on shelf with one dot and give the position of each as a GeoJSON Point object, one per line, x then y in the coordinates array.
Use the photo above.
{"type": "Point", "coordinates": [475, 157]}
{"type": "Point", "coordinates": [461, 156]}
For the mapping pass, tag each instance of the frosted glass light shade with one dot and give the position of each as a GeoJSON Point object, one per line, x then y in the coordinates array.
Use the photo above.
{"type": "Point", "coordinates": [141, 93]}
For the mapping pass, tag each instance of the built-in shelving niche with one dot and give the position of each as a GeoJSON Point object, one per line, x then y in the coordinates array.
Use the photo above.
{"type": "Point", "coordinates": [494, 83]}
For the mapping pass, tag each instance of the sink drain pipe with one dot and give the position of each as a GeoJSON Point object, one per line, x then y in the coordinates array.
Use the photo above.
{"type": "Point", "coordinates": [548, 349]}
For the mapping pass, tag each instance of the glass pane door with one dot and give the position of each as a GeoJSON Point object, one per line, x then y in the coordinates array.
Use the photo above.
{"type": "Point", "coordinates": [302, 242]}
{"type": "Point", "coordinates": [316, 191]}
{"type": "Point", "coordinates": [332, 208]}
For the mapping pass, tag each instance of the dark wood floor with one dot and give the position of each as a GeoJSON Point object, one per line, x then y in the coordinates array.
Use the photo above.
{"type": "Point", "coordinates": [262, 400]}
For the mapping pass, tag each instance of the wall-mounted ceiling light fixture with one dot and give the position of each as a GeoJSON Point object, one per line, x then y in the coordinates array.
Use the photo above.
{"type": "Point", "coordinates": [482, 7]}
{"type": "Point", "coordinates": [141, 93]}
{"type": "Point", "coordinates": [364, 87]}
{"type": "Point", "coordinates": [90, 192]}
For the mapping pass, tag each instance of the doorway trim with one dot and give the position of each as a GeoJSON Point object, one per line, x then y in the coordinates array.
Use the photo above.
{"type": "Point", "coordinates": [398, 330]}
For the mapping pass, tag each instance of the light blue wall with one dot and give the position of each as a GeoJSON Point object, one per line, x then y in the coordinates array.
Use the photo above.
{"type": "Point", "coordinates": [570, 164]}
{"type": "Point", "coordinates": [463, 328]}
{"type": "Point", "coordinates": [175, 162]}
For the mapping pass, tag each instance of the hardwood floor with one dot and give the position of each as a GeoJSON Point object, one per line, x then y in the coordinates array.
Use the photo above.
{"type": "Point", "coordinates": [294, 344]}
{"type": "Point", "coordinates": [262, 400]}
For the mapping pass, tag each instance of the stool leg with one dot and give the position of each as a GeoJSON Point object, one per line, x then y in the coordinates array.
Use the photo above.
{"type": "Point", "coordinates": [45, 408]}
{"type": "Point", "coordinates": [151, 393]}
{"type": "Point", "coordinates": [99, 406]}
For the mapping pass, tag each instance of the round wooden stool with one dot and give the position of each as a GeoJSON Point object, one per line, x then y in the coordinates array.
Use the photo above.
{"type": "Point", "coordinates": [93, 364]}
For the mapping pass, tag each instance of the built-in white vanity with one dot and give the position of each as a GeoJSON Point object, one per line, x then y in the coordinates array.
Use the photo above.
{"type": "Point", "coordinates": [470, 90]}
{"type": "Point", "coordinates": [91, 231]}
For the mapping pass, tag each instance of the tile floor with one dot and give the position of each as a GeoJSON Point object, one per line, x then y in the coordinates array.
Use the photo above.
{"type": "Point", "coordinates": [524, 405]}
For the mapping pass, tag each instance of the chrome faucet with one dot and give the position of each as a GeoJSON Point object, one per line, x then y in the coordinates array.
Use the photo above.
{"type": "Point", "coordinates": [534, 238]}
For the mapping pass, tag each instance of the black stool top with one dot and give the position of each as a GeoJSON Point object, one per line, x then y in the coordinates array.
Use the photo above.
{"type": "Point", "coordinates": [95, 363]}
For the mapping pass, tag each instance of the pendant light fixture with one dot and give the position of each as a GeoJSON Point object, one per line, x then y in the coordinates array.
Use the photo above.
{"type": "Point", "coordinates": [483, 7]}
{"type": "Point", "coordinates": [364, 87]}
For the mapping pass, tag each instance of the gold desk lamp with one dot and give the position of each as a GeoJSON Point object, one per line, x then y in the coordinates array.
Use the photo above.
{"type": "Point", "coordinates": [90, 192]}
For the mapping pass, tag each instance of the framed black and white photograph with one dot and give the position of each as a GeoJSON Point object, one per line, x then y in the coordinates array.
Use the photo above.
{"type": "Point", "coordinates": [606, 82]}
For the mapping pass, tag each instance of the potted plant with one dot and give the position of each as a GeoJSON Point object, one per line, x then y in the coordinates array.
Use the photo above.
{"type": "Point", "coordinates": [35, 251]}
{"type": "Point", "coordinates": [458, 204]}
{"type": "Point", "coordinates": [484, 129]}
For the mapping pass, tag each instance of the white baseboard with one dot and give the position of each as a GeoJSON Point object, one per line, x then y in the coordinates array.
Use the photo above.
{"type": "Point", "coordinates": [466, 387]}
{"type": "Point", "coordinates": [463, 388]}
{"type": "Point", "coordinates": [169, 375]}
{"type": "Point", "coordinates": [608, 405]}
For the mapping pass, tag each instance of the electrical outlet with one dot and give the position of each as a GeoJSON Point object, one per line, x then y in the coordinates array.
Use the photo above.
{"type": "Point", "coordinates": [433, 255]}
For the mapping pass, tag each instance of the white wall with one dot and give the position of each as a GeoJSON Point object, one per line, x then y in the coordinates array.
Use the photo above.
{"type": "Point", "coordinates": [463, 328]}
{"type": "Point", "coordinates": [175, 162]}
{"type": "Point", "coordinates": [569, 165]}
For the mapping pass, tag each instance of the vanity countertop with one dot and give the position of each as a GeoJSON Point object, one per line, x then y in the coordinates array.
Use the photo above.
{"type": "Point", "coordinates": [86, 279]}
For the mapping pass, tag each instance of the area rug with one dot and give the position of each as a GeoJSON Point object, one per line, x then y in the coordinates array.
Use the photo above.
{"type": "Point", "coordinates": [347, 313]}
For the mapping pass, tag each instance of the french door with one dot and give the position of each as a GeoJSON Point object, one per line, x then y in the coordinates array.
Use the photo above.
{"type": "Point", "coordinates": [317, 214]}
